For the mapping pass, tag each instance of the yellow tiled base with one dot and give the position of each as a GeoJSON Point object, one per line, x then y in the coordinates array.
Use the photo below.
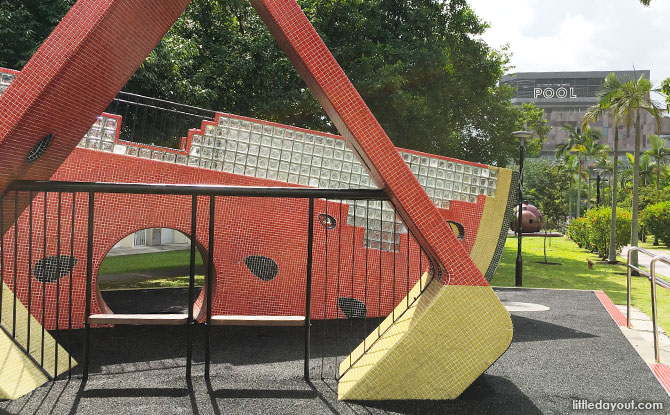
{"type": "Point", "coordinates": [435, 350]}
{"type": "Point", "coordinates": [492, 219]}
{"type": "Point", "coordinates": [18, 374]}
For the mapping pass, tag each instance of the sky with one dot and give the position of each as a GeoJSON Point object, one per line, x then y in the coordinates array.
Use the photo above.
{"type": "Point", "coordinates": [580, 35]}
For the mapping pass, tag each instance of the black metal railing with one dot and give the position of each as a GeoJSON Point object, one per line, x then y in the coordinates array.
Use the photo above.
{"type": "Point", "coordinates": [154, 121]}
{"type": "Point", "coordinates": [359, 273]}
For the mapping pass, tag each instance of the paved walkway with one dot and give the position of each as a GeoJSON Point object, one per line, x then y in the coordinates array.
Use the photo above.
{"type": "Point", "coordinates": [644, 260]}
{"type": "Point", "coordinates": [147, 249]}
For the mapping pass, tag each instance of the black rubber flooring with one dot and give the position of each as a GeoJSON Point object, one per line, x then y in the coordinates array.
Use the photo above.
{"type": "Point", "coordinates": [572, 351]}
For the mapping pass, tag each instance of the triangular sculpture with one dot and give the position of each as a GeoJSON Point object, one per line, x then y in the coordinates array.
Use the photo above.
{"type": "Point", "coordinates": [439, 346]}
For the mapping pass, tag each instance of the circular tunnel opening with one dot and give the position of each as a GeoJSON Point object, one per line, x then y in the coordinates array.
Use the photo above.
{"type": "Point", "coordinates": [148, 271]}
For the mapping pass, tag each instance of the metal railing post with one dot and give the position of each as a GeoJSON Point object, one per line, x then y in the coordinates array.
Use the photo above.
{"type": "Point", "coordinates": [89, 282]}
{"type": "Point", "coordinates": [191, 283]}
{"type": "Point", "coordinates": [210, 288]}
{"type": "Point", "coordinates": [652, 269]}
{"type": "Point", "coordinates": [628, 283]}
{"type": "Point", "coordinates": [308, 288]}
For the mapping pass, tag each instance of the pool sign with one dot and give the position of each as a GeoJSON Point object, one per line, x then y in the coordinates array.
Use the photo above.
{"type": "Point", "coordinates": [560, 92]}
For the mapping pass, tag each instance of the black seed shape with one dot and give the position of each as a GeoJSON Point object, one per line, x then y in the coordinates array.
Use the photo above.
{"type": "Point", "coordinates": [327, 221]}
{"type": "Point", "coordinates": [459, 227]}
{"type": "Point", "coordinates": [46, 269]}
{"type": "Point", "coordinates": [262, 267]}
{"type": "Point", "coordinates": [39, 149]}
{"type": "Point", "coordinates": [352, 308]}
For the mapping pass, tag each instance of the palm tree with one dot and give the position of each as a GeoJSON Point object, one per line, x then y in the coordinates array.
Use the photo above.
{"type": "Point", "coordinates": [609, 90]}
{"type": "Point", "coordinates": [573, 146]}
{"type": "Point", "coordinates": [659, 153]}
{"type": "Point", "coordinates": [626, 102]}
{"type": "Point", "coordinates": [592, 150]}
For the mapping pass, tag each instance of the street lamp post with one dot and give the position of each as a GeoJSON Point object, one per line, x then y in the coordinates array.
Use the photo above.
{"type": "Point", "coordinates": [518, 277]}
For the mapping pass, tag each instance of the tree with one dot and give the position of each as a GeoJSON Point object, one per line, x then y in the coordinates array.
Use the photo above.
{"type": "Point", "coordinates": [583, 144]}
{"type": "Point", "coordinates": [421, 66]}
{"type": "Point", "coordinates": [609, 90]}
{"type": "Point", "coordinates": [632, 97]}
{"type": "Point", "coordinates": [659, 153]}
{"type": "Point", "coordinates": [24, 25]}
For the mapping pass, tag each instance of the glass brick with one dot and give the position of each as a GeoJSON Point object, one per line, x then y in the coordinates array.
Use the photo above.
{"type": "Point", "coordinates": [299, 136]}
{"type": "Point", "coordinates": [231, 145]}
{"type": "Point", "coordinates": [220, 143]}
{"type": "Point", "coordinates": [316, 161]}
{"type": "Point", "coordinates": [293, 178]}
{"type": "Point", "coordinates": [282, 176]}
{"type": "Point", "coordinates": [314, 182]}
{"type": "Point", "coordinates": [432, 162]}
{"type": "Point", "coordinates": [250, 171]}
{"type": "Point", "coordinates": [283, 166]}
{"type": "Point", "coordinates": [230, 156]}
{"type": "Point", "coordinates": [194, 161]}
{"type": "Point", "coordinates": [275, 154]}
{"type": "Point", "coordinates": [346, 167]}
{"type": "Point", "coordinates": [337, 165]}
{"type": "Point", "coordinates": [239, 169]}
{"type": "Point", "coordinates": [228, 167]}
{"type": "Point", "coordinates": [303, 180]}
{"type": "Point", "coordinates": [450, 166]}
{"type": "Point", "coordinates": [326, 163]}
{"type": "Point", "coordinates": [255, 138]}
{"type": "Point", "coordinates": [223, 121]}
{"type": "Point", "coordinates": [288, 134]}
{"type": "Point", "coordinates": [414, 168]}
{"type": "Point", "coordinates": [278, 132]}
{"type": "Point", "coordinates": [422, 181]}
{"type": "Point", "coordinates": [272, 175]}
{"type": "Point", "coordinates": [318, 150]}
{"type": "Point", "coordinates": [467, 169]}
{"type": "Point", "coordinates": [210, 130]}
{"type": "Point", "coordinates": [253, 150]}
{"type": "Point", "coordinates": [181, 159]}
{"type": "Point", "coordinates": [262, 163]}
{"type": "Point", "coordinates": [304, 169]}
{"type": "Point", "coordinates": [356, 168]}
{"type": "Point", "coordinates": [325, 174]}
{"type": "Point", "coordinates": [432, 172]}
{"type": "Point", "coordinates": [430, 182]}
{"type": "Point", "coordinates": [348, 156]}
{"type": "Point", "coordinates": [264, 152]}
{"type": "Point", "coordinates": [251, 161]}
{"type": "Point", "coordinates": [206, 152]}
{"type": "Point", "coordinates": [217, 165]}
{"type": "Point", "coordinates": [107, 147]}
{"type": "Point", "coordinates": [459, 167]}
{"type": "Point", "coordinates": [297, 147]}
{"type": "Point", "coordinates": [242, 147]}
{"type": "Point", "coordinates": [423, 171]}
{"type": "Point", "coordinates": [285, 155]}
{"type": "Point", "coordinates": [206, 164]}
{"type": "Point", "coordinates": [273, 165]}
{"type": "Point", "coordinates": [294, 168]}
{"type": "Point", "coordinates": [328, 153]}
{"type": "Point", "coordinates": [241, 159]}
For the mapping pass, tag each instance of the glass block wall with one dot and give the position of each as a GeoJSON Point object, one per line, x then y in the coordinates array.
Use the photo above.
{"type": "Point", "coordinates": [259, 149]}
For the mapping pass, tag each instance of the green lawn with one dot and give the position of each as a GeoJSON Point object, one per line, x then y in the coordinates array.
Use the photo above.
{"type": "Point", "coordinates": [574, 274]}
{"type": "Point", "coordinates": [133, 284]}
{"type": "Point", "coordinates": [147, 262]}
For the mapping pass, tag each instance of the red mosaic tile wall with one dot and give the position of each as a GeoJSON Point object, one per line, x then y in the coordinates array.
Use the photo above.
{"type": "Point", "coordinates": [84, 63]}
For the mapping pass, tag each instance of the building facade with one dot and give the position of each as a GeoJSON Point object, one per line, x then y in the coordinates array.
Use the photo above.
{"type": "Point", "coordinates": [565, 97]}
